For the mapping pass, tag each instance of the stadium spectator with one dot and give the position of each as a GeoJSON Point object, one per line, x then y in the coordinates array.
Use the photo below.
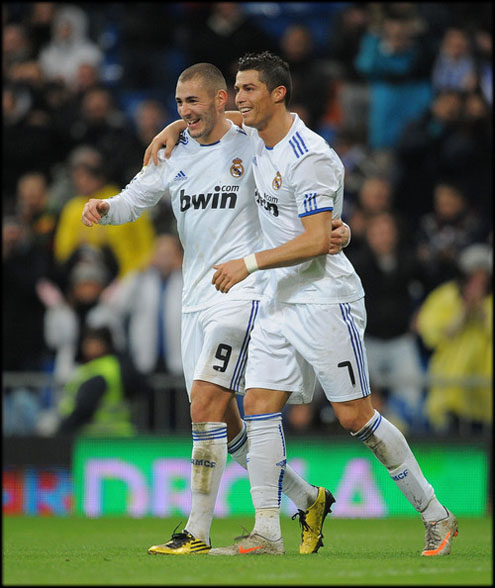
{"type": "Point", "coordinates": [358, 161]}
{"type": "Point", "coordinates": [312, 78]}
{"type": "Point", "coordinates": [22, 312]}
{"type": "Point", "coordinates": [101, 124]}
{"type": "Point", "coordinates": [150, 303]}
{"type": "Point", "coordinates": [39, 22]}
{"type": "Point", "coordinates": [97, 398]}
{"type": "Point", "coordinates": [397, 65]}
{"type": "Point", "coordinates": [23, 348]}
{"type": "Point", "coordinates": [16, 48]}
{"type": "Point", "coordinates": [146, 33]}
{"type": "Point", "coordinates": [30, 139]}
{"type": "Point", "coordinates": [393, 281]}
{"type": "Point", "coordinates": [455, 322]}
{"type": "Point", "coordinates": [470, 151]}
{"type": "Point", "coordinates": [223, 35]}
{"type": "Point", "coordinates": [89, 178]}
{"type": "Point", "coordinates": [344, 39]}
{"type": "Point", "coordinates": [69, 46]}
{"type": "Point", "coordinates": [33, 208]}
{"type": "Point", "coordinates": [375, 196]}
{"type": "Point", "coordinates": [444, 231]}
{"type": "Point", "coordinates": [67, 314]}
{"type": "Point", "coordinates": [422, 155]}
{"type": "Point", "coordinates": [454, 67]}
{"type": "Point", "coordinates": [149, 118]}
{"type": "Point", "coordinates": [484, 57]}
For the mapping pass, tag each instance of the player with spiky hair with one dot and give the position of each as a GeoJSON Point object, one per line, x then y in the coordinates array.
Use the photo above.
{"type": "Point", "coordinates": [315, 317]}
{"type": "Point", "coordinates": [209, 182]}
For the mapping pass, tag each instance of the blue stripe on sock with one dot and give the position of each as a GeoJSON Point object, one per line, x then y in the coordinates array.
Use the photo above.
{"type": "Point", "coordinates": [240, 442]}
{"type": "Point", "coordinates": [371, 428]}
{"type": "Point", "coordinates": [218, 433]}
{"type": "Point", "coordinates": [262, 417]}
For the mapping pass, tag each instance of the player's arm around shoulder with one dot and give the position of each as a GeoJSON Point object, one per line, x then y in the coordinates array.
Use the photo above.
{"type": "Point", "coordinates": [166, 138]}
{"type": "Point", "coordinates": [314, 241]}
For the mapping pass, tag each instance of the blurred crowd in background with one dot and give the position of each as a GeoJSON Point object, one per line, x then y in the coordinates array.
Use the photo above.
{"type": "Point", "coordinates": [402, 91]}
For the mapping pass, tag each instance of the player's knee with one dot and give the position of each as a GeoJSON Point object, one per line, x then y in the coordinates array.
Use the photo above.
{"type": "Point", "coordinates": [353, 420]}
{"type": "Point", "coordinates": [350, 422]}
{"type": "Point", "coordinates": [208, 402]}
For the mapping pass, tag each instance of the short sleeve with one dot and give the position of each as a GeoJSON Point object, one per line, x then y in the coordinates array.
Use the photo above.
{"type": "Point", "coordinates": [316, 180]}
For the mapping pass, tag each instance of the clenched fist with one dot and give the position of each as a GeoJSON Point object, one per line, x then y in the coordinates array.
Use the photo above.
{"type": "Point", "coordinates": [94, 209]}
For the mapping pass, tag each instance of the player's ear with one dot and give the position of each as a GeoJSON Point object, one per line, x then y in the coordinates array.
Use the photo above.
{"type": "Point", "coordinates": [221, 98]}
{"type": "Point", "coordinates": [278, 94]}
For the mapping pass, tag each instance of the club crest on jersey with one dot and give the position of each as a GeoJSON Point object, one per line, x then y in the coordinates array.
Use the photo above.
{"type": "Point", "coordinates": [277, 181]}
{"type": "Point", "coordinates": [236, 169]}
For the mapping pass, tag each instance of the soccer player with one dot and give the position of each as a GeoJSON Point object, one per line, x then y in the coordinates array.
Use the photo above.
{"type": "Point", "coordinates": [210, 184]}
{"type": "Point", "coordinates": [316, 315]}
{"type": "Point", "coordinates": [313, 323]}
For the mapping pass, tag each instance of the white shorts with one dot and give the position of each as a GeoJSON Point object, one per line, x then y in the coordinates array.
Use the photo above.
{"type": "Point", "coordinates": [293, 344]}
{"type": "Point", "coordinates": [215, 342]}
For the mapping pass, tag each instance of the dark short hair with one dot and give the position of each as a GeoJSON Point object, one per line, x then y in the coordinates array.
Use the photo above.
{"type": "Point", "coordinates": [273, 71]}
{"type": "Point", "coordinates": [210, 74]}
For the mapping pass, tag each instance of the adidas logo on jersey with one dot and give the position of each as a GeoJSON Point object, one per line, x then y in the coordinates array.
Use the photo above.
{"type": "Point", "coordinates": [180, 176]}
{"type": "Point", "coordinates": [215, 199]}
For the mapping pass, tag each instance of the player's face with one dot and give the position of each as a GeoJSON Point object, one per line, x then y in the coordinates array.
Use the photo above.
{"type": "Point", "coordinates": [197, 108]}
{"type": "Point", "coordinates": [253, 99]}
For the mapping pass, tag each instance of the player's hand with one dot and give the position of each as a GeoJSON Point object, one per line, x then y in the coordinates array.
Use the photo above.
{"type": "Point", "coordinates": [167, 138]}
{"type": "Point", "coordinates": [93, 210]}
{"type": "Point", "coordinates": [229, 274]}
{"type": "Point", "coordinates": [339, 236]}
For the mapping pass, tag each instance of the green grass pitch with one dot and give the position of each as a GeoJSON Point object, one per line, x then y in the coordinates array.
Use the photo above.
{"type": "Point", "coordinates": [112, 551]}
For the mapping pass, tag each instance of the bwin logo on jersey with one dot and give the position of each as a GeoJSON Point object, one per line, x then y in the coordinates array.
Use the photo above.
{"type": "Point", "coordinates": [268, 203]}
{"type": "Point", "coordinates": [216, 199]}
{"type": "Point", "coordinates": [236, 169]}
{"type": "Point", "coordinates": [277, 181]}
{"type": "Point", "coordinates": [401, 475]}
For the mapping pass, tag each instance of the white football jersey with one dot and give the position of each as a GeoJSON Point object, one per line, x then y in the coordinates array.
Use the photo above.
{"type": "Point", "coordinates": [301, 175]}
{"type": "Point", "coordinates": [211, 189]}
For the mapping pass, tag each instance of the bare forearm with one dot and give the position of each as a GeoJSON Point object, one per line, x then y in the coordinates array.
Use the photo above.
{"type": "Point", "coordinates": [298, 250]}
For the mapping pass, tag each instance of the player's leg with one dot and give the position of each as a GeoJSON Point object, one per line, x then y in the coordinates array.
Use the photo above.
{"type": "Point", "coordinates": [273, 362]}
{"type": "Point", "coordinates": [346, 384]}
{"type": "Point", "coordinates": [391, 448]}
{"type": "Point", "coordinates": [266, 467]}
{"type": "Point", "coordinates": [302, 494]}
{"type": "Point", "coordinates": [214, 351]}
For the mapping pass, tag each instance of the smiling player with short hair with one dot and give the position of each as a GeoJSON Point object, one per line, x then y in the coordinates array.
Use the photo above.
{"type": "Point", "coordinates": [209, 182]}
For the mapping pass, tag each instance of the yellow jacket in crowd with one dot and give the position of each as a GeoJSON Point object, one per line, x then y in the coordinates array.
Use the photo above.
{"type": "Point", "coordinates": [467, 353]}
{"type": "Point", "coordinates": [131, 243]}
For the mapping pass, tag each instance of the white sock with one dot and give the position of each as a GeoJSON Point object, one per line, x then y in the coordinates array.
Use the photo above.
{"type": "Point", "coordinates": [391, 448]}
{"type": "Point", "coordinates": [209, 456]}
{"type": "Point", "coordinates": [302, 494]}
{"type": "Point", "coordinates": [266, 463]}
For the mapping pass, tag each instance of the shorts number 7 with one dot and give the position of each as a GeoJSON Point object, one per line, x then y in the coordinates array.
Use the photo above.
{"type": "Point", "coordinates": [348, 365]}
